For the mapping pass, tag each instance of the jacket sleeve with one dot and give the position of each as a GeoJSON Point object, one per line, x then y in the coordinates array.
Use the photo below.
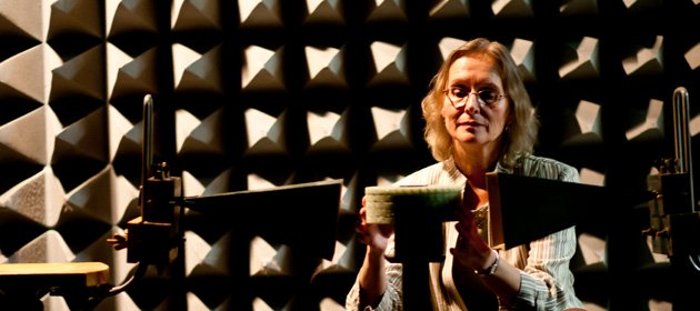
{"type": "Point", "coordinates": [391, 300]}
{"type": "Point", "coordinates": [547, 281]}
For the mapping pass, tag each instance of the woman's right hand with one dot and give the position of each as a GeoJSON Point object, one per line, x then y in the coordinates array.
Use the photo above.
{"type": "Point", "coordinates": [375, 236]}
{"type": "Point", "coordinates": [371, 277]}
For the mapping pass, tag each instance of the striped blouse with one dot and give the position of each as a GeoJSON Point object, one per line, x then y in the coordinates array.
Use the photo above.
{"type": "Point", "coordinates": [546, 282]}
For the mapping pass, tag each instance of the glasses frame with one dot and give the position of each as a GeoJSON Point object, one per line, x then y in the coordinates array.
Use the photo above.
{"type": "Point", "coordinates": [463, 102]}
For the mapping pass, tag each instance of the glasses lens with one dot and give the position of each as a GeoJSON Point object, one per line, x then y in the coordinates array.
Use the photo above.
{"type": "Point", "coordinates": [488, 96]}
{"type": "Point", "coordinates": [458, 96]}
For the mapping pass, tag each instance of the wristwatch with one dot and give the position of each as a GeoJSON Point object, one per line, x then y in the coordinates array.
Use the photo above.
{"type": "Point", "coordinates": [492, 268]}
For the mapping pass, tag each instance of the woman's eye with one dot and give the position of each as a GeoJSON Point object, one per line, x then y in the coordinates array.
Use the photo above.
{"type": "Point", "coordinates": [487, 95]}
{"type": "Point", "coordinates": [459, 92]}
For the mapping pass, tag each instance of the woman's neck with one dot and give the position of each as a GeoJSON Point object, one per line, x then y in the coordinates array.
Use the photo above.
{"type": "Point", "coordinates": [474, 163]}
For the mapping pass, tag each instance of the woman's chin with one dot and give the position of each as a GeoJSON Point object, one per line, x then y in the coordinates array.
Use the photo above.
{"type": "Point", "coordinates": [468, 139]}
{"type": "Point", "coordinates": [467, 135]}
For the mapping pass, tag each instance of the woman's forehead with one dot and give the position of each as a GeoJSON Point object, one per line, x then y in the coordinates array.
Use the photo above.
{"type": "Point", "coordinates": [474, 68]}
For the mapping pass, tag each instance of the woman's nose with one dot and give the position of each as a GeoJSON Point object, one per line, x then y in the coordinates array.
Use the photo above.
{"type": "Point", "coordinates": [472, 104]}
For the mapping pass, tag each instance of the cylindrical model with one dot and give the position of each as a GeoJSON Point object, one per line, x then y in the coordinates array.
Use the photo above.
{"type": "Point", "coordinates": [383, 203]}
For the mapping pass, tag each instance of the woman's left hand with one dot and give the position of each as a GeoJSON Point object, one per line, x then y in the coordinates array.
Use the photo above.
{"type": "Point", "coordinates": [470, 251]}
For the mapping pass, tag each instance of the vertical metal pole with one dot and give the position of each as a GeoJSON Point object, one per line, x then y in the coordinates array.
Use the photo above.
{"type": "Point", "coordinates": [684, 222]}
{"type": "Point", "coordinates": [146, 147]}
{"type": "Point", "coordinates": [681, 138]}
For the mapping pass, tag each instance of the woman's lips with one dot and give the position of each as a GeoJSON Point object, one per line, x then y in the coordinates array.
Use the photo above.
{"type": "Point", "coordinates": [471, 123]}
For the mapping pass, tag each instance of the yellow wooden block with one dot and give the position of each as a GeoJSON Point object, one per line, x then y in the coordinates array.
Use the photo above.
{"type": "Point", "coordinates": [88, 274]}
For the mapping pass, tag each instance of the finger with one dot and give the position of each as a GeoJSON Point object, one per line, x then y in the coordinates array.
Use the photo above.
{"type": "Point", "coordinates": [453, 251]}
{"type": "Point", "coordinates": [460, 242]}
{"type": "Point", "coordinates": [469, 218]}
{"type": "Point", "coordinates": [362, 235]}
{"type": "Point", "coordinates": [469, 198]}
{"type": "Point", "coordinates": [363, 216]}
{"type": "Point", "coordinates": [464, 227]}
{"type": "Point", "coordinates": [458, 254]}
{"type": "Point", "coordinates": [362, 230]}
{"type": "Point", "coordinates": [460, 232]}
{"type": "Point", "coordinates": [465, 216]}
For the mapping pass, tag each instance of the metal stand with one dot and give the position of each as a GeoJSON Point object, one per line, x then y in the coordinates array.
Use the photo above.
{"type": "Point", "coordinates": [303, 216]}
{"type": "Point", "coordinates": [418, 236]}
{"type": "Point", "coordinates": [674, 219]}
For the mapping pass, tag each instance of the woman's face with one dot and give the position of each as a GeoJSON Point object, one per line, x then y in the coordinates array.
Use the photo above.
{"type": "Point", "coordinates": [471, 120]}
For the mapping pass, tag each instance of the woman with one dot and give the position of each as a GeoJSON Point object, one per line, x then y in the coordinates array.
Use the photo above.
{"type": "Point", "coordinates": [478, 119]}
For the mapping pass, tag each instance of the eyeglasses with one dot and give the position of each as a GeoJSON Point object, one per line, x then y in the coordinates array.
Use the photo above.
{"type": "Point", "coordinates": [458, 96]}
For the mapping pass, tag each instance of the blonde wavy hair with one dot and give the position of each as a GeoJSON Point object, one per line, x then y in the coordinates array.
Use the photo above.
{"type": "Point", "coordinates": [521, 132]}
